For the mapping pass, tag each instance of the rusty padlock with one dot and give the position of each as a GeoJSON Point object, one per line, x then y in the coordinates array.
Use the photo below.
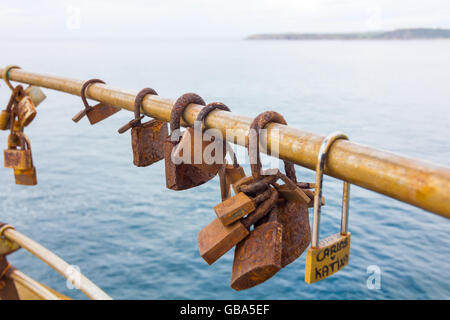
{"type": "Point", "coordinates": [26, 177]}
{"type": "Point", "coordinates": [238, 206]}
{"type": "Point", "coordinates": [18, 158]}
{"type": "Point", "coordinates": [147, 139]}
{"type": "Point", "coordinates": [328, 256]}
{"type": "Point", "coordinates": [294, 218]}
{"type": "Point", "coordinates": [21, 160]}
{"type": "Point", "coordinates": [209, 155]}
{"type": "Point", "coordinates": [258, 257]}
{"type": "Point", "coordinates": [97, 113]}
{"type": "Point", "coordinates": [5, 115]}
{"type": "Point", "coordinates": [216, 239]}
{"type": "Point", "coordinates": [180, 174]}
{"type": "Point", "coordinates": [24, 109]}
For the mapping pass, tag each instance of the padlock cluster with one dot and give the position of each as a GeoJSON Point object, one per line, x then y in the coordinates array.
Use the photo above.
{"type": "Point", "coordinates": [266, 222]}
{"type": "Point", "coordinates": [19, 113]}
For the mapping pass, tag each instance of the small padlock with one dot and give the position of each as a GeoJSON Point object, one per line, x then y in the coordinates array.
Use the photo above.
{"type": "Point", "coordinates": [96, 113]}
{"type": "Point", "coordinates": [216, 239]}
{"type": "Point", "coordinates": [5, 115]}
{"type": "Point", "coordinates": [25, 177]}
{"type": "Point", "coordinates": [147, 139]}
{"type": "Point", "coordinates": [238, 206]}
{"type": "Point", "coordinates": [4, 119]}
{"type": "Point", "coordinates": [25, 111]}
{"type": "Point", "coordinates": [179, 174]}
{"type": "Point", "coordinates": [36, 94]}
{"type": "Point", "coordinates": [20, 159]}
{"type": "Point", "coordinates": [331, 254]}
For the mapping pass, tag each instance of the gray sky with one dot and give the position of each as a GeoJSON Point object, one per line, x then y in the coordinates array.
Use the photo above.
{"type": "Point", "coordinates": [213, 18]}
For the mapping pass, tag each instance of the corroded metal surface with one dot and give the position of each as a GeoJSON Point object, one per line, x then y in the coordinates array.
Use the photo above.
{"type": "Point", "coordinates": [416, 182]}
{"type": "Point", "coordinates": [216, 239]}
{"type": "Point", "coordinates": [147, 139]}
{"type": "Point", "coordinates": [18, 158]}
{"type": "Point", "coordinates": [258, 257]}
{"type": "Point", "coordinates": [182, 176]}
{"type": "Point", "coordinates": [294, 218]}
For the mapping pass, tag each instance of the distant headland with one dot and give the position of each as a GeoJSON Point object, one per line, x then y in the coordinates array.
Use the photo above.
{"type": "Point", "coordinates": [400, 34]}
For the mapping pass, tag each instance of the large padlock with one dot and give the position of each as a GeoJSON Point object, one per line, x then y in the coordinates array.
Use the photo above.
{"type": "Point", "coordinates": [238, 206]}
{"type": "Point", "coordinates": [330, 255]}
{"type": "Point", "coordinates": [258, 257]}
{"type": "Point", "coordinates": [294, 218]}
{"type": "Point", "coordinates": [147, 139]}
{"type": "Point", "coordinates": [96, 113]}
{"type": "Point", "coordinates": [216, 239]}
{"type": "Point", "coordinates": [203, 150]}
{"type": "Point", "coordinates": [20, 159]}
{"type": "Point", "coordinates": [181, 174]}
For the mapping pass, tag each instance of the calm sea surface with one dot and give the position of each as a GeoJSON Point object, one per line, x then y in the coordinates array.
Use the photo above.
{"type": "Point", "coordinates": [138, 240]}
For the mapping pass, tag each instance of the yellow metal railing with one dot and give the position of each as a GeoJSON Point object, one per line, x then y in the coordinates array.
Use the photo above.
{"type": "Point", "coordinates": [413, 181]}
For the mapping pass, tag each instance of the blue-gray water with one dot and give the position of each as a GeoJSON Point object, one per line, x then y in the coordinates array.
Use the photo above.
{"type": "Point", "coordinates": [136, 239]}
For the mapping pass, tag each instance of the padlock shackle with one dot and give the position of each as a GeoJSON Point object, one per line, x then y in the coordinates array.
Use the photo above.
{"type": "Point", "coordinates": [5, 75]}
{"type": "Point", "coordinates": [137, 110]}
{"type": "Point", "coordinates": [209, 108]}
{"type": "Point", "coordinates": [321, 159]}
{"type": "Point", "coordinates": [202, 116]}
{"type": "Point", "coordinates": [259, 123]}
{"type": "Point", "coordinates": [179, 107]}
{"type": "Point", "coordinates": [24, 141]}
{"type": "Point", "coordinates": [18, 90]}
{"type": "Point", "coordinates": [138, 102]}
{"type": "Point", "coordinates": [84, 87]}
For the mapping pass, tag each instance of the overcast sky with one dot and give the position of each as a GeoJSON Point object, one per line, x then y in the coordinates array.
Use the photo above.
{"type": "Point", "coordinates": [213, 18]}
